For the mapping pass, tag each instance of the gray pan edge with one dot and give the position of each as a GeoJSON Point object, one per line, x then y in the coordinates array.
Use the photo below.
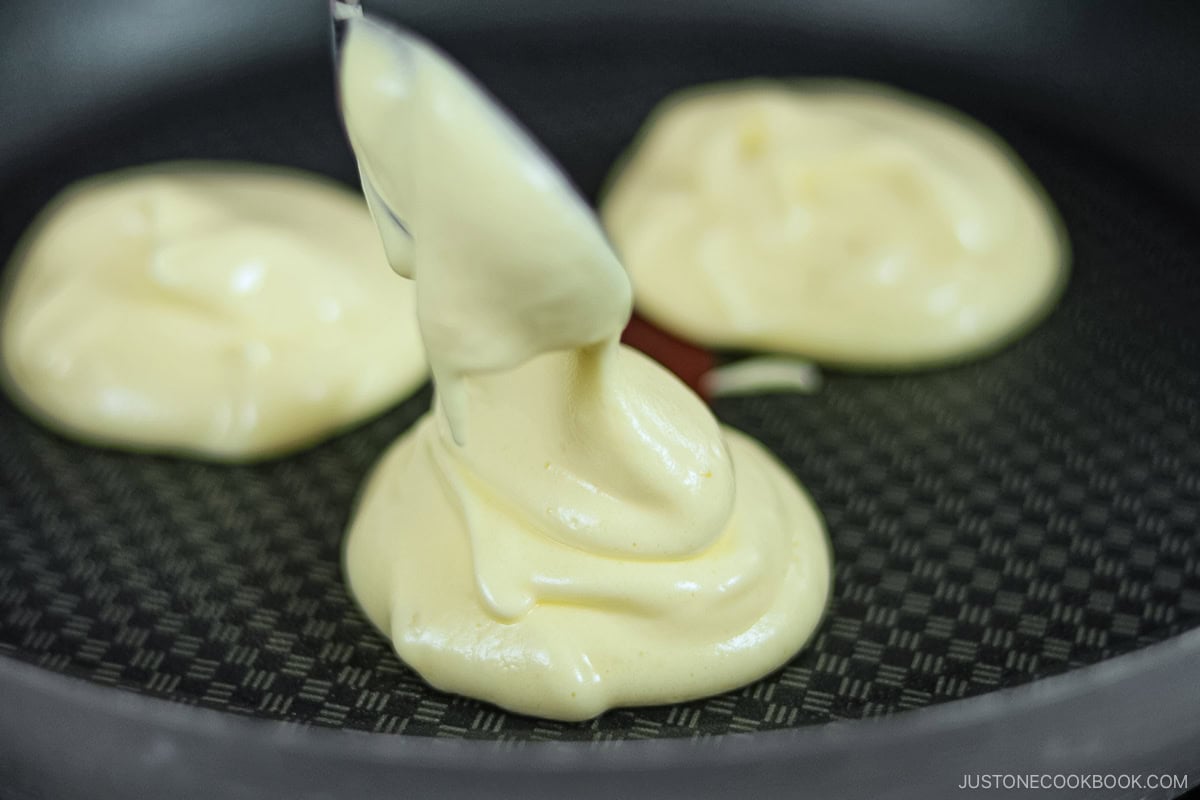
{"type": "Point", "coordinates": [61, 737]}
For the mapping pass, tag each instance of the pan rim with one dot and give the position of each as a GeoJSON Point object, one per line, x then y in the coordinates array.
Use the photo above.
{"type": "Point", "coordinates": [1105, 678]}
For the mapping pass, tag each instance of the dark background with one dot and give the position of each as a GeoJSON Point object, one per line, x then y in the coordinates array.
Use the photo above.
{"type": "Point", "coordinates": [1129, 71]}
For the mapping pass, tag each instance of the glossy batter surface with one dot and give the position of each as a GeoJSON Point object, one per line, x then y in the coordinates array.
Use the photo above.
{"type": "Point", "coordinates": [569, 529]}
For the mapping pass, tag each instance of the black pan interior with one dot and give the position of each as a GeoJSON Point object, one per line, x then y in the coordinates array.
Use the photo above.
{"type": "Point", "coordinates": [993, 523]}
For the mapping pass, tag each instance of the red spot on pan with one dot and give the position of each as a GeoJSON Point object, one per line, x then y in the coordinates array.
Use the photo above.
{"type": "Point", "coordinates": [685, 359]}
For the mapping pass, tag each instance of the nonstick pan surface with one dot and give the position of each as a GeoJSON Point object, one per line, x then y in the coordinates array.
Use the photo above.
{"type": "Point", "coordinates": [1033, 514]}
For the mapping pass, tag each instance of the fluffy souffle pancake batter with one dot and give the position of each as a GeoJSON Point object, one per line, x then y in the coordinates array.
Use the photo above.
{"type": "Point", "coordinates": [215, 310]}
{"type": "Point", "coordinates": [569, 529]}
{"type": "Point", "coordinates": [840, 221]}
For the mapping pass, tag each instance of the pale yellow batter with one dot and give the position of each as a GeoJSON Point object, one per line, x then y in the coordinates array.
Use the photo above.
{"type": "Point", "coordinates": [216, 310]}
{"type": "Point", "coordinates": [569, 529]}
{"type": "Point", "coordinates": [837, 220]}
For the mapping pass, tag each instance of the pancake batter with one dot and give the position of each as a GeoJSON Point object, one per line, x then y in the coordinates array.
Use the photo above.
{"type": "Point", "coordinates": [215, 310]}
{"type": "Point", "coordinates": [569, 529]}
{"type": "Point", "coordinates": [835, 220]}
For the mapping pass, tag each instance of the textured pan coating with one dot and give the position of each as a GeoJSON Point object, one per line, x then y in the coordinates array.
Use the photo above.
{"type": "Point", "coordinates": [993, 523]}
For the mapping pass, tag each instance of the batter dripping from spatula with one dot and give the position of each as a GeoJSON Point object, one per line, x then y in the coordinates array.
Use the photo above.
{"type": "Point", "coordinates": [568, 529]}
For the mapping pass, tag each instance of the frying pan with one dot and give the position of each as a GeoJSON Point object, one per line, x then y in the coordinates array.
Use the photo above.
{"type": "Point", "coordinates": [1017, 586]}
